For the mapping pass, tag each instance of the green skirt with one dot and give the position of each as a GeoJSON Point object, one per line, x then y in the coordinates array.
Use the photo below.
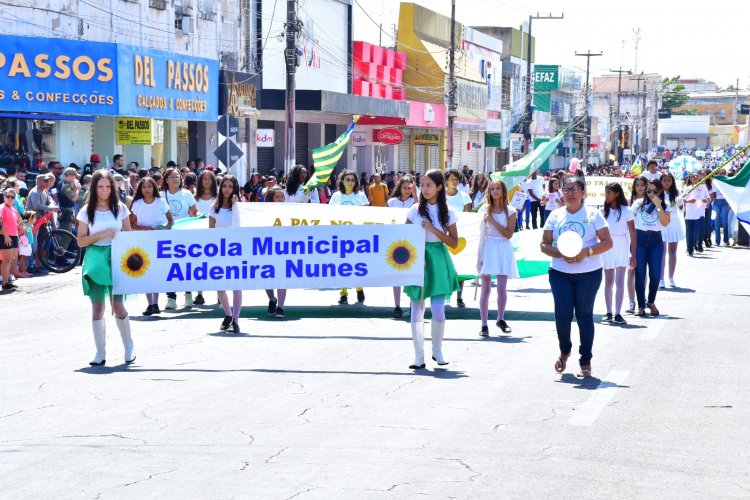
{"type": "Point", "coordinates": [96, 273]}
{"type": "Point", "coordinates": [439, 274]}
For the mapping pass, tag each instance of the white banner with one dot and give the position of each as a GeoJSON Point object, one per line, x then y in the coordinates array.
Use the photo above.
{"type": "Point", "coordinates": [313, 214]}
{"type": "Point", "coordinates": [254, 258]}
{"type": "Point", "coordinates": [595, 188]}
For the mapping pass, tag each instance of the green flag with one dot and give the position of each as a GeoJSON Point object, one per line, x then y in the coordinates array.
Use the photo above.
{"type": "Point", "coordinates": [325, 158]}
{"type": "Point", "coordinates": [520, 169]}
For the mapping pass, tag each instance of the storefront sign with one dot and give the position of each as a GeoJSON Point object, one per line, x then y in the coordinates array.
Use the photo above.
{"type": "Point", "coordinates": [133, 131]}
{"type": "Point", "coordinates": [474, 146]}
{"type": "Point", "coordinates": [58, 76]}
{"type": "Point", "coordinates": [426, 138]}
{"type": "Point", "coordinates": [264, 138]}
{"type": "Point", "coordinates": [388, 136]}
{"type": "Point", "coordinates": [546, 79]}
{"type": "Point", "coordinates": [267, 257]}
{"type": "Point", "coordinates": [91, 78]}
{"type": "Point", "coordinates": [359, 139]}
{"type": "Point", "coordinates": [239, 94]}
{"type": "Point", "coordinates": [167, 85]}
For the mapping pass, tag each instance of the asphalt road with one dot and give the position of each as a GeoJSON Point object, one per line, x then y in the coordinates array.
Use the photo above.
{"type": "Point", "coordinates": [322, 405]}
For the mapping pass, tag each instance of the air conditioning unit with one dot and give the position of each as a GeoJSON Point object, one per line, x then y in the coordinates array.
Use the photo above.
{"type": "Point", "coordinates": [157, 4]}
{"type": "Point", "coordinates": [183, 10]}
{"type": "Point", "coordinates": [185, 25]}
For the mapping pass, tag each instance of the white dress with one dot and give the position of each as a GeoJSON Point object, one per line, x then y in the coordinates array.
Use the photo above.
{"type": "Point", "coordinates": [619, 254]}
{"type": "Point", "coordinates": [675, 231]}
{"type": "Point", "coordinates": [496, 251]}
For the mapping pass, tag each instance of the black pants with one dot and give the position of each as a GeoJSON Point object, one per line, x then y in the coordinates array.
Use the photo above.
{"type": "Point", "coordinates": [536, 210]}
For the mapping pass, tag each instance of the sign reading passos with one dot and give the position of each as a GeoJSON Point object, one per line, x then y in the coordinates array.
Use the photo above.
{"type": "Point", "coordinates": [54, 75]}
{"type": "Point", "coordinates": [133, 131]}
{"type": "Point", "coordinates": [388, 136]}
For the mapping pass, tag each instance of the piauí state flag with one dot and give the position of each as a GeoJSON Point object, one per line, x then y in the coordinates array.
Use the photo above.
{"type": "Point", "coordinates": [736, 192]}
{"type": "Point", "coordinates": [325, 158]}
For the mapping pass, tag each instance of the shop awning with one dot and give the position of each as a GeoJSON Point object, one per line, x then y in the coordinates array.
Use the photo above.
{"type": "Point", "coordinates": [335, 102]}
{"type": "Point", "coordinates": [37, 116]}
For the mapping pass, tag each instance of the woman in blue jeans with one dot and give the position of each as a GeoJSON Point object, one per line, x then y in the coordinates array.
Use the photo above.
{"type": "Point", "coordinates": [575, 280]}
{"type": "Point", "coordinates": [651, 213]}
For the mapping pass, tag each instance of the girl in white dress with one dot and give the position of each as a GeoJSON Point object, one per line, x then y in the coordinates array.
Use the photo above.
{"type": "Point", "coordinates": [675, 231]}
{"type": "Point", "coordinates": [621, 256]}
{"type": "Point", "coordinates": [495, 256]}
{"type": "Point", "coordinates": [403, 196]}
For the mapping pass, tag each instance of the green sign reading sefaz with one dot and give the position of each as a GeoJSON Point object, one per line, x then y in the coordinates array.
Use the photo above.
{"type": "Point", "coordinates": [546, 79]}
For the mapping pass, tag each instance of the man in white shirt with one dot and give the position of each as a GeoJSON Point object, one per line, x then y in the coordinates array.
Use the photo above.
{"type": "Point", "coordinates": [535, 190]}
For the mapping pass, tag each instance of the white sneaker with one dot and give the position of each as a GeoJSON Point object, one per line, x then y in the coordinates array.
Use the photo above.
{"type": "Point", "coordinates": [661, 284]}
{"type": "Point", "coordinates": [189, 299]}
{"type": "Point", "coordinates": [672, 283]}
{"type": "Point", "coordinates": [171, 304]}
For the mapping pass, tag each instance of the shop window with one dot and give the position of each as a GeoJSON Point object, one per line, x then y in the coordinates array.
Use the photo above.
{"type": "Point", "coordinates": [30, 143]}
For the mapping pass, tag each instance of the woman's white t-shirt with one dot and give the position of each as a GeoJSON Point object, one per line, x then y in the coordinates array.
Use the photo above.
{"type": "Point", "coordinates": [103, 221]}
{"type": "Point", "coordinates": [357, 199]}
{"type": "Point", "coordinates": [694, 211]}
{"type": "Point", "coordinates": [179, 203]}
{"type": "Point", "coordinates": [458, 201]}
{"type": "Point", "coordinates": [204, 206]}
{"type": "Point", "coordinates": [645, 220]}
{"type": "Point", "coordinates": [222, 218]}
{"type": "Point", "coordinates": [432, 211]}
{"type": "Point", "coordinates": [301, 196]}
{"type": "Point", "coordinates": [585, 222]}
{"type": "Point", "coordinates": [617, 220]}
{"type": "Point", "coordinates": [397, 203]}
{"type": "Point", "coordinates": [150, 214]}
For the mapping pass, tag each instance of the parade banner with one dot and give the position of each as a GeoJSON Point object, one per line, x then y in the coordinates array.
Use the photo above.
{"type": "Point", "coordinates": [267, 257]}
{"type": "Point", "coordinates": [530, 261]}
{"type": "Point", "coordinates": [595, 195]}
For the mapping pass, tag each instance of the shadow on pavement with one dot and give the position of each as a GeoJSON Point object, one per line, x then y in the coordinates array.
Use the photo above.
{"type": "Point", "coordinates": [505, 339]}
{"type": "Point", "coordinates": [442, 373]}
{"type": "Point", "coordinates": [588, 384]}
{"type": "Point", "coordinates": [677, 290]}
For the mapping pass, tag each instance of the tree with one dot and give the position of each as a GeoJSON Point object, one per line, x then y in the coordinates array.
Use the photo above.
{"type": "Point", "coordinates": [671, 93]}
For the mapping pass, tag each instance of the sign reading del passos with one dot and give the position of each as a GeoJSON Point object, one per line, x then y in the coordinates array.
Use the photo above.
{"type": "Point", "coordinates": [264, 138]}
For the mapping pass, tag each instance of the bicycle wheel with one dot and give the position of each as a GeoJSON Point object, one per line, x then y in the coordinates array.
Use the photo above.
{"type": "Point", "coordinates": [59, 251]}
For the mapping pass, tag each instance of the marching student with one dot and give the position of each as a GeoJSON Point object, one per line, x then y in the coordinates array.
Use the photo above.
{"type": "Point", "coordinates": [149, 211]}
{"type": "Point", "coordinates": [275, 194]}
{"type": "Point", "coordinates": [99, 221]}
{"type": "Point", "coordinates": [205, 197]}
{"type": "Point", "coordinates": [182, 204]}
{"type": "Point", "coordinates": [621, 256]}
{"type": "Point", "coordinates": [458, 201]}
{"type": "Point", "coordinates": [440, 280]}
{"type": "Point", "coordinates": [220, 216]}
{"type": "Point", "coordinates": [349, 193]}
{"type": "Point", "coordinates": [638, 192]}
{"type": "Point", "coordinates": [402, 196]}
{"type": "Point", "coordinates": [674, 232]}
{"type": "Point", "coordinates": [496, 253]}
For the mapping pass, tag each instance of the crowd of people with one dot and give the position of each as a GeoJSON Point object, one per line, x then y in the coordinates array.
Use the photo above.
{"type": "Point", "coordinates": [626, 243]}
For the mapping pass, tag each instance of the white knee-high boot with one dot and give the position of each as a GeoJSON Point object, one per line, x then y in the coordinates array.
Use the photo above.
{"type": "Point", "coordinates": [436, 333]}
{"type": "Point", "coordinates": [417, 336]}
{"type": "Point", "coordinates": [127, 341]}
{"type": "Point", "coordinates": [100, 340]}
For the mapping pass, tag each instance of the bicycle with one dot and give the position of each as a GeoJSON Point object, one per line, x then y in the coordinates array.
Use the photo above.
{"type": "Point", "coordinates": [57, 248]}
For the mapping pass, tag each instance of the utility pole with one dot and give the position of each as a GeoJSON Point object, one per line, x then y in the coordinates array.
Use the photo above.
{"type": "Point", "coordinates": [619, 96]}
{"type": "Point", "coordinates": [527, 116]}
{"type": "Point", "coordinates": [736, 100]}
{"type": "Point", "coordinates": [636, 41]}
{"type": "Point", "coordinates": [452, 86]}
{"type": "Point", "coordinates": [291, 31]}
{"type": "Point", "coordinates": [638, 112]}
{"type": "Point", "coordinates": [588, 55]}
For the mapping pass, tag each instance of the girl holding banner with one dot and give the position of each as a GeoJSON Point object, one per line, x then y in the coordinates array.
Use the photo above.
{"type": "Point", "coordinates": [440, 280]}
{"type": "Point", "coordinates": [149, 211]}
{"type": "Point", "coordinates": [275, 194]}
{"type": "Point", "coordinates": [182, 204]}
{"type": "Point", "coordinates": [495, 256]}
{"type": "Point", "coordinates": [221, 216]}
{"type": "Point", "coordinates": [99, 221]}
{"type": "Point", "coordinates": [349, 194]}
{"type": "Point", "coordinates": [402, 196]}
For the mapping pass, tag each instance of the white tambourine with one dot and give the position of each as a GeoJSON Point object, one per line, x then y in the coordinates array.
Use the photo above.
{"type": "Point", "coordinates": [570, 244]}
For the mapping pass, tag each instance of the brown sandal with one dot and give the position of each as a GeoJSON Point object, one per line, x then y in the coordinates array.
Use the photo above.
{"type": "Point", "coordinates": [585, 372]}
{"type": "Point", "coordinates": [653, 309]}
{"type": "Point", "coordinates": [561, 362]}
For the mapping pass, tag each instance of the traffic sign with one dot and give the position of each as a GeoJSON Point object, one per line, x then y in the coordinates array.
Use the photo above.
{"type": "Point", "coordinates": [232, 122]}
{"type": "Point", "coordinates": [235, 153]}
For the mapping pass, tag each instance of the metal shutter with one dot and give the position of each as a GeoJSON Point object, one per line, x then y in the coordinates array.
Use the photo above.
{"type": "Point", "coordinates": [265, 155]}
{"type": "Point", "coordinates": [329, 133]}
{"type": "Point", "coordinates": [470, 158]}
{"type": "Point", "coordinates": [404, 153]}
{"type": "Point", "coordinates": [302, 147]}
{"type": "Point", "coordinates": [420, 153]}
{"type": "Point", "coordinates": [75, 141]}
{"type": "Point", "coordinates": [458, 150]}
{"type": "Point", "coordinates": [434, 156]}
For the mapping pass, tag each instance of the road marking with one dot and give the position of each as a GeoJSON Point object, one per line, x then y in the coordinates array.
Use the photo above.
{"type": "Point", "coordinates": [653, 330]}
{"type": "Point", "coordinates": [590, 409]}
